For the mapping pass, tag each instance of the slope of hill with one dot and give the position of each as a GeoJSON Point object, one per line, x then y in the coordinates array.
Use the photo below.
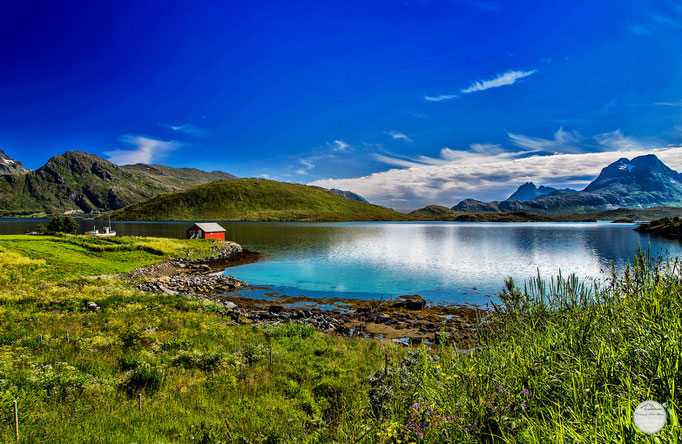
{"type": "Point", "coordinates": [78, 181]}
{"type": "Point", "coordinates": [440, 213]}
{"type": "Point", "coordinates": [9, 165]}
{"type": "Point", "coordinates": [255, 199]}
{"type": "Point", "coordinates": [349, 195]}
{"type": "Point", "coordinates": [642, 182]}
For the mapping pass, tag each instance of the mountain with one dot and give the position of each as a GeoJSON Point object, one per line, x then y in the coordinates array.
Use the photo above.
{"type": "Point", "coordinates": [528, 191]}
{"type": "Point", "coordinates": [255, 199]}
{"type": "Point", "coordinates": [349, 195]}
{"type": "Point", "coordinates": [9, 165]}
{"type": "Point", "coordinates": [476, 206]}
{"type": "Point", "coordinates": [78, 181]}
{"type": "Point", "coordinates": [642, 182]}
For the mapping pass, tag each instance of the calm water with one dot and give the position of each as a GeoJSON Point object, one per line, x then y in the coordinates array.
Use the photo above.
{"type": "Point", "coordinates": [444, 262]}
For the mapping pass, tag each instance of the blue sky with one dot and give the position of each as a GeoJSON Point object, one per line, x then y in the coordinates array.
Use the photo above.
{"type": "Point", "coordinates": [405, 102]}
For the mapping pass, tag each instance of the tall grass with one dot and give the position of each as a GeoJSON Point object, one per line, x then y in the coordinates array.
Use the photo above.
{"type": "Point", "coordinates": [558, 361]}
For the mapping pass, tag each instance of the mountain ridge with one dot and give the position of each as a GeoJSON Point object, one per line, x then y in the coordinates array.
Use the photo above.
{"type": "Point", "coordinates": [642, 182]}
{"type": "Point", "coordinates": [76, 181]}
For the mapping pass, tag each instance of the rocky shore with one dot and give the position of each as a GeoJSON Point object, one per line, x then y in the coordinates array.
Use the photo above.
{"type": "Point", "coordinates": [406, 319]}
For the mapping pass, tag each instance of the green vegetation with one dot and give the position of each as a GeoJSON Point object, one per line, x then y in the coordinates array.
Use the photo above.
{"type": "Point", "coordinates": [671, 227]}
{"type": "Point", "coordinates": [61, 225]}
{"type": "Point", "coordinates": [623, 214]}
{"type": "Point", "coordinates": [255, 199]}
{"type": "Point", "coordinates": [556, 362]}
{"type": "Point", "coordinates": [437, 212]}
{"type": "Point", "coordinates": [76, 181]}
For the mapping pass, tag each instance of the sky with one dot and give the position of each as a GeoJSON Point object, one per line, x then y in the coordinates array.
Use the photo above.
{"type": "Point", "coordinates": [406, 102]}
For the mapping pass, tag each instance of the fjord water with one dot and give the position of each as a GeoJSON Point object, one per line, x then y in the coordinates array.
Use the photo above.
{"type": "Point", "coordinates": [443, 262]}
{"type": "Point", "coordinates": [447, 262]}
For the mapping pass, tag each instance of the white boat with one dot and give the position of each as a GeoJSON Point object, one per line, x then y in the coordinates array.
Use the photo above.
{"type": "Point", "coordinates": [108, 232]}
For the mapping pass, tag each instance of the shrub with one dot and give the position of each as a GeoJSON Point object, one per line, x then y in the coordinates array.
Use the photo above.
{"type": "Point", "coordinates": [144, 377]}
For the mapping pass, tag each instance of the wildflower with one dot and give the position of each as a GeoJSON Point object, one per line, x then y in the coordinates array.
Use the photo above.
{"type": "Point", "coordinates": [523, 404]}
{"type": "Point", "coordinates": [448, 378]}
{"type": "Point", "coordinates": [526, 392]}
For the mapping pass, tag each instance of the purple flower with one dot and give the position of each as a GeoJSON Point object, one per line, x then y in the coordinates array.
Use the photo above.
{"type": "Point", "coordinates": [526, 392]}
{"type": "Point", "coordinates": [523, 404]}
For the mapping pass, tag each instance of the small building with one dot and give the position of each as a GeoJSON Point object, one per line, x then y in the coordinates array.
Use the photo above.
{"type": "Point", "coordinates": [206, 230]}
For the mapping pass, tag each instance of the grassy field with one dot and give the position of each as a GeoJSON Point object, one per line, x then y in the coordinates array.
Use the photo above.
{"type": "Point", "coordinates": [558, 362]}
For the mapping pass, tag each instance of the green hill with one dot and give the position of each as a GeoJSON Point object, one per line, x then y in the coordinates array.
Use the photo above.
{"type": "Point", "coordinates": [255, 199]}
{"type": "Point", "coordinates": [439, 213]}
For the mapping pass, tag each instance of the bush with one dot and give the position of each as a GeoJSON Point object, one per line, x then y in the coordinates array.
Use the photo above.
{"type": "Point", "coordinates": [56, 225]}
{"type": "Point", "coordinates": [145, 377]}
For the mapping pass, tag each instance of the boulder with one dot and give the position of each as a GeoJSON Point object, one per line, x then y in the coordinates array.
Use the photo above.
{"type": "Point", "coordinates": [410, 302]}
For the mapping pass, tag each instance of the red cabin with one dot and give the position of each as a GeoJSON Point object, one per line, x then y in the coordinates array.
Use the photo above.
{"type": "Point", "coordinates": [206, 231]}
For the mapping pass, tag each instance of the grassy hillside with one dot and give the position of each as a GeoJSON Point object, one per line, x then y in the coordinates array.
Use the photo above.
{"type": "Point", "coordinates": [556, 363]}
{"type": "Point", "coordinates": [255, 199]}
{"type": "Point", "coordinates": [439, 213]}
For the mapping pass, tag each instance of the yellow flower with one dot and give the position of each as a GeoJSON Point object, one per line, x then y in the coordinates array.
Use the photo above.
{"type": "Point", "coordinates": [448, 378]}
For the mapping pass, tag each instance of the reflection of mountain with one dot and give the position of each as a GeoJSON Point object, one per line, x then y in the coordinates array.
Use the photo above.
{"type": "Point", "coordinates": [642, 182]}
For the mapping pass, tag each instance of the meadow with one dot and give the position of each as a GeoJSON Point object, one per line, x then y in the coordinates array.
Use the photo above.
{"type": "Point", "coordinates": [557, 361]}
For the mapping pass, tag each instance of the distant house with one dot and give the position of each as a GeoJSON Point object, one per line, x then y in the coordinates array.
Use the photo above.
{"type": "Point", "coordinates": [206, 231]}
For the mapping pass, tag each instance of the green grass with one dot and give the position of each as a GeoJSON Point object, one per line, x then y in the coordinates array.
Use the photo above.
{"type": "Point", "coordinates": [557, 362]}
{"type": "Point", "coordinates": [255, 199]}
{"type": "Point", "coordinates": [54, 258]}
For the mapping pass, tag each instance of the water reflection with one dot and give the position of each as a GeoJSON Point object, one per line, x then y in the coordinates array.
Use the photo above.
{"type": "Point", "coordinates": [441, 261]}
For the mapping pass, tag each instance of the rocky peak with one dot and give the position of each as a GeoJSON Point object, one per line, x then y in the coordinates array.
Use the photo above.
{"type": "Point", "coordinates": [9, 165]}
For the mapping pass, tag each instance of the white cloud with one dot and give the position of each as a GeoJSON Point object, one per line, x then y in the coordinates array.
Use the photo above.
{"type": "Point", "coordinates": [677, 103]}
{"type": "Point", "coordinates": [440, 98]}
{"type": "Point", "coordinates": [488, 172]}
{"type": "Point", "coordinates": [563, 142]}
{"type": "Point", "coordinates": [307, 166]}
{"type": "Point", "coordinates": [398, 135]}
{"type": "Point", "coordinates": [339, 146]}
{"type": "Point", "coordinates": [507, 78]}
{"type": "Point", "coordinates": [187, 129]}
{"type": "Point", "coordinates": [147, 150]}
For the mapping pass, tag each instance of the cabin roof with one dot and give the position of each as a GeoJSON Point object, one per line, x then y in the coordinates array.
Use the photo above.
{"type": "Point", "coordinates": [208, 227]}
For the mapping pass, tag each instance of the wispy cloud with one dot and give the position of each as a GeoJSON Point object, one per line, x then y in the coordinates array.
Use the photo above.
{"type": "Point", "coordinates": [307, 166]}
{"type": "Point", "coordinates": [677, 103]}
{"type": "Point", "coordinates": [339, 146]}
{"type": "Point", "coordinates": [572, 142]}
{"type": "Point", "coordinates": [147, 150]}
{"type": "Point", "coordinates": [639, 29]}
{"type": "Point", "coordinates": [507, 78]}
{"type": "Point", "coordinates": [416, 114]}
{"type": "Point", "coordinates": [441, 97]}
{"type": "Point", "coordinates": [187, 129]}
{"type": "Point", "coordinates": [488, 171]}
{"type": "Point", "coordinates": [398, 135]}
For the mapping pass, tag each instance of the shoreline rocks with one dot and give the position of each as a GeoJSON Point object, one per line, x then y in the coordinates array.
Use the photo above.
{"type": "Point", "coordinates": [405, 318]}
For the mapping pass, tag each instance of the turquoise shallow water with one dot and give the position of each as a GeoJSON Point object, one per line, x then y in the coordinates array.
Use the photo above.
{"type": "Point", "coordinates": [450, 262]}
{"type": "Point", "coordinates": [443, 262]}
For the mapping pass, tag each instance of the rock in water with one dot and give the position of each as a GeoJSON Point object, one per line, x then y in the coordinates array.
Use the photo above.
{"type": "Point", "coordinates": [410, 302]}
